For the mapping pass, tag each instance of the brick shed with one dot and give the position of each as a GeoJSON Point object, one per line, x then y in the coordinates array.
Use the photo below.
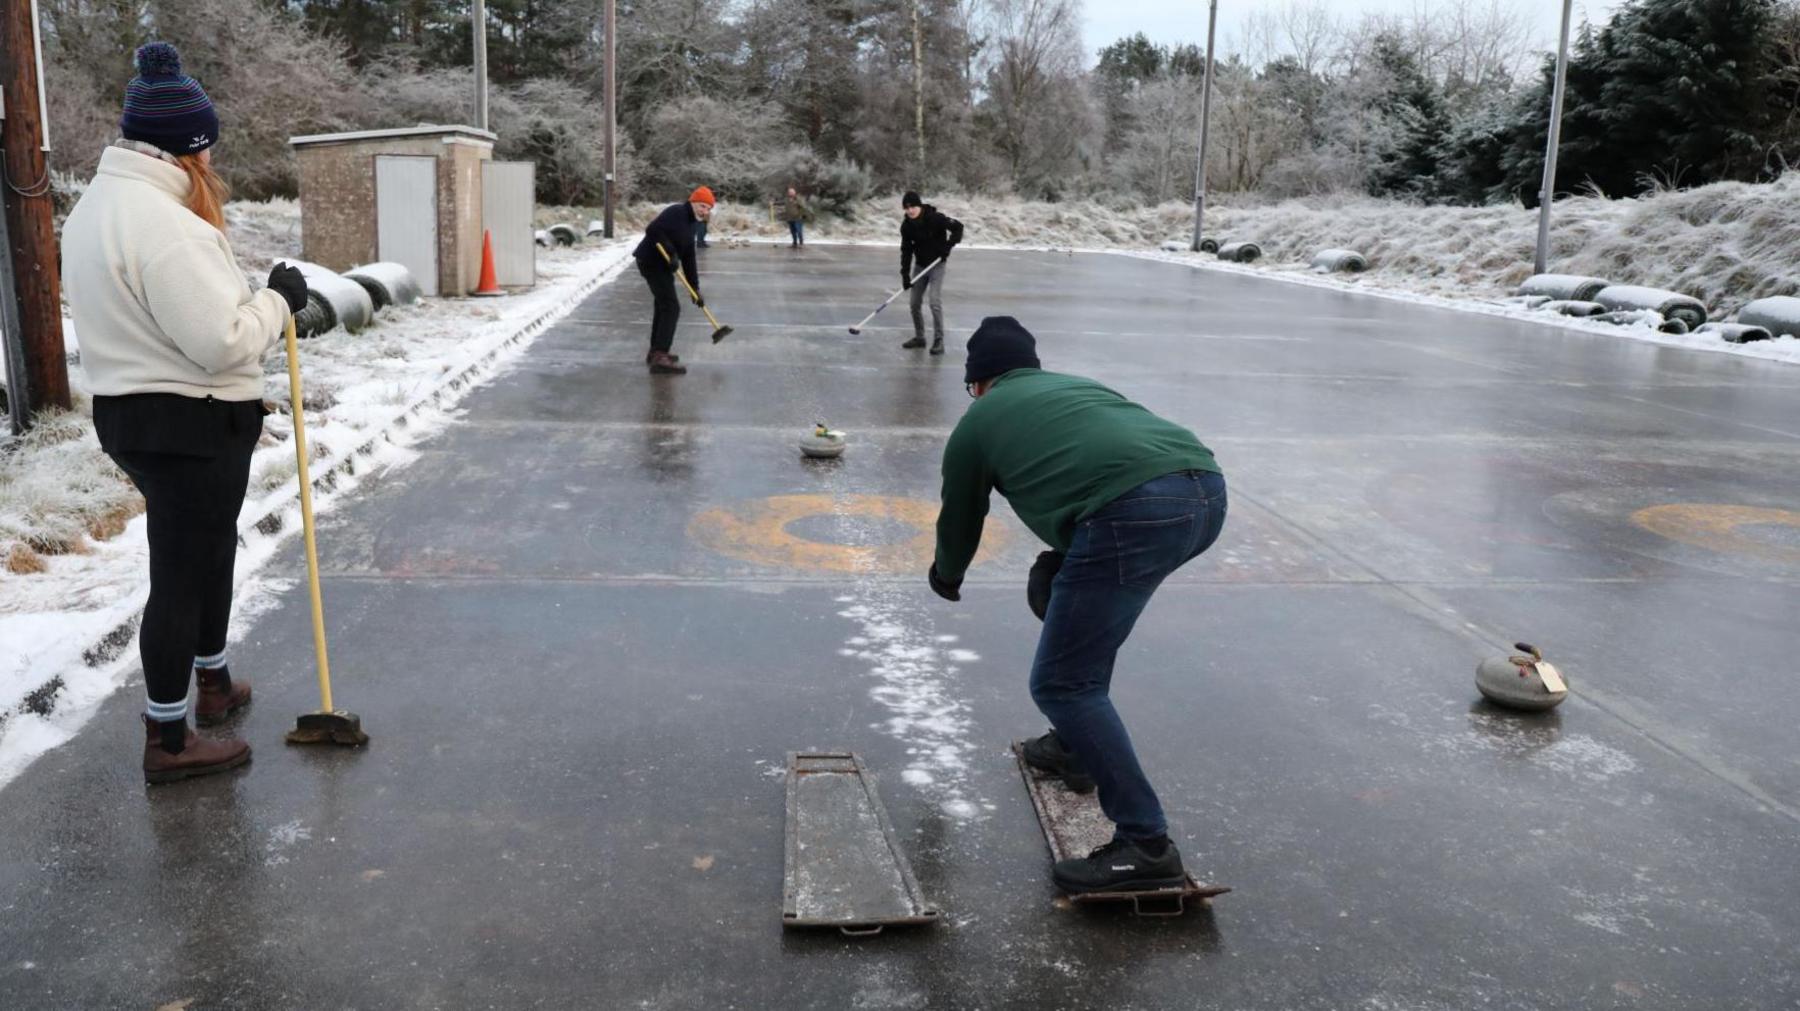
{"type": "Point", "coordinates": [363, 198]}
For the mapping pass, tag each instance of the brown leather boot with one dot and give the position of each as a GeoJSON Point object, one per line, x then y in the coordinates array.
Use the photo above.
{"type": "Point", "coordinates": [220, 695]}
{"type": "Point", "coordinates": [199, 756]}
{"type": "Point", "coordinates": [664, 364]}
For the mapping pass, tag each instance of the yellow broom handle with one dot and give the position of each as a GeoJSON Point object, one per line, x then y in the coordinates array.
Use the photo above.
{"type": "Point", "coordinates": [306, 517]}
{"type": "Point", "coordinates": [684, 283]}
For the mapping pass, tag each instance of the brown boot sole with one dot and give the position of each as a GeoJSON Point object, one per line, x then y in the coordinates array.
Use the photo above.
{"type": "Point", "coordinates": [193, 771]}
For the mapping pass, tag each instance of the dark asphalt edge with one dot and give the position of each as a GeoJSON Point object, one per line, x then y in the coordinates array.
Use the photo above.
{"type": "Point", "coordinates": [281, 519]}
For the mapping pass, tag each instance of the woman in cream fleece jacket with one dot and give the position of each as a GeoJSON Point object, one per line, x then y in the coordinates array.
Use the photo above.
{"type": "Point", "coordinates": [172, 339]}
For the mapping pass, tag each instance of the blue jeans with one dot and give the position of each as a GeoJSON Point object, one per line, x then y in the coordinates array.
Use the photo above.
{"type": "Point", "coordinates": [797, 231]}
{"type": "Point", "coordinates": [1119, 556]}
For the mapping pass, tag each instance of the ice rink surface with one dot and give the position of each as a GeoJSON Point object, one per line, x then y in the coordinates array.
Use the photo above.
{"type": "Point", "coordinates": [587, 624]}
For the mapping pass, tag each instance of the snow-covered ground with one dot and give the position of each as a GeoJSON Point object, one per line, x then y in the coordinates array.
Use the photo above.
{"type": "Point", "coordinates": [1784, 349]}
{"type": "Point", "coordinates": [67, 618]}
{"type": "Point", "coordinates": [1725, 244]}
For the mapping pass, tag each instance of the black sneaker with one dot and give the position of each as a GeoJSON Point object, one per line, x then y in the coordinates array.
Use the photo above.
{"type": "Point", "coordinates": [650, 356]}
{"type": "Point", "coordinates": [937, 345]}
{"type": "Point", "coordinates": [914, 344]}
{"type": "Point", "coordinates": [1048, 754]}
{"type": "Point", "coordinates": [1122, 866]}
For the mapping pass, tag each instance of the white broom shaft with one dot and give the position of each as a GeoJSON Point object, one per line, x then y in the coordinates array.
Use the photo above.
{"type": "Point", "coordinates": [890, 298]}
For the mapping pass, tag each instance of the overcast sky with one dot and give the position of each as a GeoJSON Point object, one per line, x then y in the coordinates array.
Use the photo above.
{"type": "Point", "coordinates": [1170, 22]}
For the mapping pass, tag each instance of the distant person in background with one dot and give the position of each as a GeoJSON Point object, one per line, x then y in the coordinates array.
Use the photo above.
{"type": "Point", "coordinates": [172, 339]}
{"type": "Point", "coordinates": [668, 246]}
{"type": "Point", "coordinates": [926, 236]}
{"type": "Point", "coordinates": [795, 213]}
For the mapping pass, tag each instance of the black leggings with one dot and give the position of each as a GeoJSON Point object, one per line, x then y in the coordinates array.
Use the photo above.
{"type": "Point", "coordinates": [192, 504]}
{"type": "Point", "coordinates": [668, 307]}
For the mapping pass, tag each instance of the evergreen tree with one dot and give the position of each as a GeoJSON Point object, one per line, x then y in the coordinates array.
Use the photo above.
{"type": "Point", "coordinates": [1670, 92]}
{"type": "Point", "coordinates": [1415, 110]}
{"type": "Point", "coordinates": [1123, 68]}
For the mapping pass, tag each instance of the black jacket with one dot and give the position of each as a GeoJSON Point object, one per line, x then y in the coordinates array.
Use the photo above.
{"type": "Point", "coordinates": [928, 237]}
{"type": "Point", "coordinates": [674, 229]}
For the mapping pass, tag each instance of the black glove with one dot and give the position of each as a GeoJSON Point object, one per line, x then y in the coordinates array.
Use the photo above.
{"type": "Point", "coordinates": [698, 301]}
{"type": "Point", "coordinates": [1037, 584]}
{"type": "Point", "coordinates": [292, 285]}
{"type": "Point", "coordinates": [948, 591]}
{"type": "Point", "coordinates": [906, 280]}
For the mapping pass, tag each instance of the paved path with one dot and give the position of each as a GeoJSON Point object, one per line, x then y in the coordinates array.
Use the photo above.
{"type": "Point", "coordinates": [587, 624]}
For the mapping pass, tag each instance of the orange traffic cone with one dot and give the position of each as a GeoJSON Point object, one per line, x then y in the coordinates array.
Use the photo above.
{"type": "Point", "coordinates": [489, 285]}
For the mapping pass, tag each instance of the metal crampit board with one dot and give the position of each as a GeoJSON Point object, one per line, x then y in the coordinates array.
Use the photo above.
{"type": "Point", "coordinates": [1074, 826]}
{"type": "Point", "coordinates": [844, 868]}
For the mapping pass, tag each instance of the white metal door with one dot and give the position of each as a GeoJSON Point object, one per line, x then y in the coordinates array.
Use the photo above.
{"type": "Point", "coordinates": [406, 221]}
{"type": "Point", "coordinates": [508, 198]}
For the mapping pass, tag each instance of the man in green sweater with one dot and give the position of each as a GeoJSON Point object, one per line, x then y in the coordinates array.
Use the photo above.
{"type": "Point", "coordinates": [1123, 498]}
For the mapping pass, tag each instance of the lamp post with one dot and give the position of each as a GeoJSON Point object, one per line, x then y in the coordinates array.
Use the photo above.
{"type": "Point", "coordinates": [1212, 27]}
{"type": "Point", "coordinates": [1548, 194]}
{"type": "Point", "coordinates": [478, 18]}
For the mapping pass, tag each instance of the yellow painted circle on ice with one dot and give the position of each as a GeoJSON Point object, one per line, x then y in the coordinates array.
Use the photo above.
{"type": "Point", "coordinates": [1719, 527]}
{"type": "Point", "coordinates": [757, 531]}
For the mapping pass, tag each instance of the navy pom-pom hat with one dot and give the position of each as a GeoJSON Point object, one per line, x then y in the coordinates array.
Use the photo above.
{"type": "Point", "coordinates": [165, 107]}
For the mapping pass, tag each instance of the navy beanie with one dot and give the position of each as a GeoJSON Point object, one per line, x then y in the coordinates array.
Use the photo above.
{"type": "Point", "coordinates": [998, 346]}
{"type": "Point", "coordinates": [911, 199]}
{"type": "Point", "coordinates": [165, 107]}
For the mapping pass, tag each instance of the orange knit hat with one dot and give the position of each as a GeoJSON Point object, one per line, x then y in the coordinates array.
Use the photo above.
{"type": "Point", "coordinates": [703, 195]}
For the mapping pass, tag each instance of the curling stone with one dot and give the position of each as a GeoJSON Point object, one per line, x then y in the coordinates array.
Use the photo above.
{"type": "Point", "coordinates": [1521, 681]}
{"type": "Point", "coordinates": [822, 443]}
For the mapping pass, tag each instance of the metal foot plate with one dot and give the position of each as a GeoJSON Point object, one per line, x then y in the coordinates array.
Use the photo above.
{"type": "Point", "coordinates": [844, 868]}
{"type": "Point", "coordinates": [1074, 826]}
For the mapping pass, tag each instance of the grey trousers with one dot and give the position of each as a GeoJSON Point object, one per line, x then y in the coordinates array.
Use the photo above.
{"type": "Point", "coordinates": [931, 284]}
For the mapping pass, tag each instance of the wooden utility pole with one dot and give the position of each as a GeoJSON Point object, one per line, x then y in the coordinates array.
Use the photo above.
{"type": "Point", "coordinates": [610, 98]}
{"type": "Point", "coordinates": [30, 218]}
{"type": "Point", "coordinates": [919, 86]}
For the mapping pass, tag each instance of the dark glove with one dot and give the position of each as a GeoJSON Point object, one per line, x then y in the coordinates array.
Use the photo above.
{"type": "Point", "coordinates": [1037, 584]}
{"type": "Point", "coordinates": [946, 590]}
{"type": "Point", "coordinates": [698, 301]}
{"type": "Point", "coordinates": [292, 285]}
{"type": "Point", "coordinates": [906, 280]}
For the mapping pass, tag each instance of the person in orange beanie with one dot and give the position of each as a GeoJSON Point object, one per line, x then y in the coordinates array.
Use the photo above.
{"type": "Point", "coordinates": [671, 233]}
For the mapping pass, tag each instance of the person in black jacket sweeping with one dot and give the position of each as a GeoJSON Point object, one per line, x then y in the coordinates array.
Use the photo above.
{"type": "Point", "coordinates": [926, 235]}
{"type": "Point", "coordinates": [668, 245]}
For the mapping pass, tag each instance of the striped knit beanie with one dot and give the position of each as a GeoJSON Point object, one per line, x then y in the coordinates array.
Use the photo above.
{"type": "Point", "coordinates": [165, 107]}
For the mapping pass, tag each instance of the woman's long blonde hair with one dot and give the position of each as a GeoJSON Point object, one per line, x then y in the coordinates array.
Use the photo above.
{"type": "Point", "coordinates": [207, 192]}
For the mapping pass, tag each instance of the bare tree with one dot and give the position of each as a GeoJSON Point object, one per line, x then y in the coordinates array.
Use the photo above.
{"type": "Point", "coordinates": [1037, 100]}
{"type": "Point", "coordinates": [1310, 31]}
{"type": "Point", "coordinates": [1487, 43]}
